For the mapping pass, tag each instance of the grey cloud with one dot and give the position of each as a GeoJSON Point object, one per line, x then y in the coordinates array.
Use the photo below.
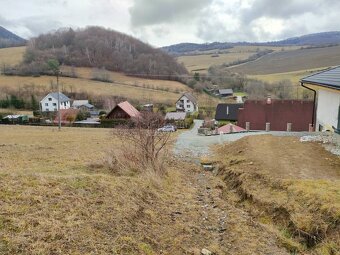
{"type": "Point", "coordinates": [146, 12]}
{"type": "Point", "coordinates": [41, 24]}
{"type": "Point", "coordinates": [286, 9]}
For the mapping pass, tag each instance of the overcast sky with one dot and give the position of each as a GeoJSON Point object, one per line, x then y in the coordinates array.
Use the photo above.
{"type": "Point", "coordinates": [165, 22]}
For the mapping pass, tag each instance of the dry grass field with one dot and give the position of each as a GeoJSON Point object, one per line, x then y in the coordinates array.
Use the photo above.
{"type": "Point", "coordinates": [58, 197]}
{"type": "Point", "coordinates": [201, 63]}
{"type": "Point", "coordinates": [294, 77]}
{"type": "Point", "coordinates": [132, 88]}
{"type": "Point", "coordinates": [291, 61]}
{"type": "Point", "coordinates": [295, 191]}
{"type": "Point", "coordinates": [11, 56]}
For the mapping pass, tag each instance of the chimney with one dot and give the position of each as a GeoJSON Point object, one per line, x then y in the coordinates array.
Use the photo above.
{"type": "Point", "coordinates": [269, 99]}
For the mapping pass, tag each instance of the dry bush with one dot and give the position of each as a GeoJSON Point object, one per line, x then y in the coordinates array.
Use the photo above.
{"type": "Point", "coordinates": [142, 148]}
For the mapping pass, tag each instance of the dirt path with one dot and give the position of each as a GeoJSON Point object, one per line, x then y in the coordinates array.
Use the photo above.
{"type": "Point", "coordinates": [220, 225]}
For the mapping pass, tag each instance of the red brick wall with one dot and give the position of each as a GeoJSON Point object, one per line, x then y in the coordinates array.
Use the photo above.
{"type": "Point", "coordinates": [278, 113]}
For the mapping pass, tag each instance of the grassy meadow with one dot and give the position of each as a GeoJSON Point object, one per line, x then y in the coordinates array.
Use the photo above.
{"type": "Point", "coordinates": [11, 56]}
{"type": "Point", "coordinates": [133, 88]}
{"type": "Point", "coordinates": [292, 61]}
{"type": "Point", "coordinates": [201, 63]}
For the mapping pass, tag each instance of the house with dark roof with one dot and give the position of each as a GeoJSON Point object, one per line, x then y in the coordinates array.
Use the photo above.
{"type": "Point", "coordinates": [187, 103]}
{"type": "Point", "coordinates": [227, 112]}
{"type": "Point", "coordinates": [225, 92]}
{"type": "Point", "coordinates": [50, 102]}
{"type": "Point", "coordinates": [123, 110]}
{"type": "Point", "coordinates": [326, 88]}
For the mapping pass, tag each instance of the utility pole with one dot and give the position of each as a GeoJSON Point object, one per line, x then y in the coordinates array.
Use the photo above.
{"type": "Point", "coordinates": [54, 66]}
{"type": "Point", "coordinates": [59, 113]}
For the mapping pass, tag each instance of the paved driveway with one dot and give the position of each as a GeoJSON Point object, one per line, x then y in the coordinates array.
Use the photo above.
{"type": "Point", "coordinates": [190, 144]}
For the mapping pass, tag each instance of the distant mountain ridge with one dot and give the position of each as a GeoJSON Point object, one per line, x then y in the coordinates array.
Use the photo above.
{"type": "Point", "coordinates": [9, 39]}
{"type": "Point", "coordinates": [317, 39]}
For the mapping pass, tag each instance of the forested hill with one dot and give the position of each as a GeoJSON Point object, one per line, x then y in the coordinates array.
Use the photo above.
{"type": "Point", "coordinates": [313, 40]}
{"type": "Point", "coordinates": [101, 48]}
{"type": "Point", "coordinates": [8, 39]}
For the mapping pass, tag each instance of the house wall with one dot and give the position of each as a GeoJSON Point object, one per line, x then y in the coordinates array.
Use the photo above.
{"type": "Point", "coordinates": [187, 105]}
{"type": "Point", "coordinates": [50, 104]}
{"type": "Point", "coordinates": [327, 109]}
{"type": "Point", "coordinates": [278, 114]}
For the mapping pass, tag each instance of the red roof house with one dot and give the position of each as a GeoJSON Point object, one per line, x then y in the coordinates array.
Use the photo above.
{"type": "Point", "coordinates": [276, 112]}
{"type": "Point", "coordinates": [123, 110]}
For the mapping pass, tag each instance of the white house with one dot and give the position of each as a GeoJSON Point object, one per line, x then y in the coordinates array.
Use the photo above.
{"type": "Point", "coordinates": [187, 103]}
{"type": "Point", "coordinates": [326, 86]}
{"type": "Point", "coordinates": [50, 102]}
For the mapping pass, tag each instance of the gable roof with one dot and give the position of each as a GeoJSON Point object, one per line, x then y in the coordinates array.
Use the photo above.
{"type": "Point", "coordinates": [175, 116]}
{"type": "Point", "coordinates": [63, 98]}
{"type": "Point", "coordinates": [225, 91]}
{"type": "Point", "coordinates": [127, 108]}
{"type": "Point", "coordinates": [190, 97]}
{"type": "Point", "coordinates": [329, 78]}
{"type": "Point", "coordinates": [227, 111]}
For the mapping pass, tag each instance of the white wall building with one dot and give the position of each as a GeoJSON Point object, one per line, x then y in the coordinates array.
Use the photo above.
{"type": "Point", "coordinates": [187, 103]}
{"type": "Point", "coordinates": [327, 86]}
{"type": "Point", "coordinates": [50, 102]}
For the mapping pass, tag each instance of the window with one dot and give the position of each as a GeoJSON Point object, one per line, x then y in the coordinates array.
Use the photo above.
{"type": "Point", "coordinates": [54, 104]}
{"type": "Point", "coordinates": [50, 99]}
{"type": "Point", "coordinates": [188, 106]}
{"type": "Point", "coordinates": [64, 103]}
{"type": "Point", "coordinates": [46, 104]}
{"type": "Point", "coordinates": [188, 101]}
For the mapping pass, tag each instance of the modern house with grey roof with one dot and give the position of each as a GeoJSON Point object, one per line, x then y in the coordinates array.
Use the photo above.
{"type": "Point", "coordinates": [50, 102]}
{"type": "Point", "coordinates": [187, 103]}
{"type": "Point", "coordinates": [326, 88]}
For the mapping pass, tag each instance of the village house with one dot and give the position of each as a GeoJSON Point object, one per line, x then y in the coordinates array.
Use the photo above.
{"type": "Point", "coordinates": [227, 112]}
{"type": "Point", "coordinates": [187, 103]}
{"type": "Point", "coordinates": [326, 88]}
{"type": "Point", "coordinates": [123, 110]}
{"type": "Point", "coordinates": [50, 102]}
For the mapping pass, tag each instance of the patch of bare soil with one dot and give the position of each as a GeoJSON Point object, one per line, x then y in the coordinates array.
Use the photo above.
{"type": "Point", "coordinates": [287, 157]}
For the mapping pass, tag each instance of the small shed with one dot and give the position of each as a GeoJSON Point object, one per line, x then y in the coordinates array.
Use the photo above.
{"type": "Point", "coordinates": [225, 92]}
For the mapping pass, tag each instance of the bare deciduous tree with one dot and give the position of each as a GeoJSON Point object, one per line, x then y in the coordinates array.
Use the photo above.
{"type": "Point", "coordinates": [142, 146]}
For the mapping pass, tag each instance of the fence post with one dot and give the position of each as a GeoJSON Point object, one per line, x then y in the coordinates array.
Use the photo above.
{"type": "Point", "coordinates": [311, 128]}
{"type": "Point", "coordinates": [247, 126]}
{"type": "Point", "coordinates": [289, 127]}
{"type": "Point", "coordinates": [267, 127]}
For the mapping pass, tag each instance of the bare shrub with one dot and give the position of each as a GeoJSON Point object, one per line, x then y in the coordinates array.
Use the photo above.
{"type": "Point", "coordinates": [142, 148]}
